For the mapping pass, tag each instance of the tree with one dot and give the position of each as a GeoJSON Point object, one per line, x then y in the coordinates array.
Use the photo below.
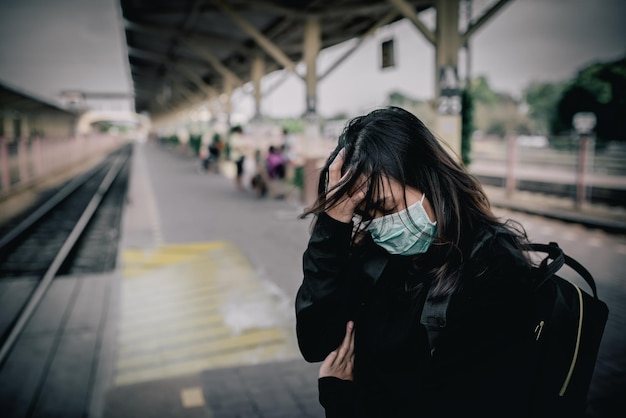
{"type": "Point", "coordinates": [496, 113]}
{"type": "Point", "coordinates": [482, 92]}
{"type": "Point", "coordinates": [599, 88]}
{"type": "Point", "coordinates": [542, 100]}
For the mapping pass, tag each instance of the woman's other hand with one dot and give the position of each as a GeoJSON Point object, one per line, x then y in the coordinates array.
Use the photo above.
{"type": "Point", "coordinates": [344, 209]}
{"type": "Point", "coordinates": [340, 362]}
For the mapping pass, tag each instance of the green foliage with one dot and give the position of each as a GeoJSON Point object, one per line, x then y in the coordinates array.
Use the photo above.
{"type": "Point", "coordinates": [542, 100]}
{"type": "Point", "coordinates": [400, 100]}
{"type": "Point", "coordinates": [496, 127]}
{"type": "Point", "coordinates": [496, 113]}
{"type": "Point", "coordinates": [339, 116]}
{"type": "Point", "coordinates": [298, 177]}
{"type": "Point", "coordinates": [482, 92]}
{"type": "Point", "coordinates": [467, 125]}
{"type": "Point", "coordinates": [195, 142]}
{"type": "Point", "coordinates": [420, 108]}
{"type": "Point", "coordinates": [295, 126]}
{"type": "Point", "coordinates": [104, 126]}
{"type": "Point", "coordinates": [599, 88]}
{"type": "Point", "coordinates": [173, 139]}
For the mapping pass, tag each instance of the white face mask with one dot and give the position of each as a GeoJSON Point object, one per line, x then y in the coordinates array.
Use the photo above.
{"type": "Point", "coordinates": [407, 232]}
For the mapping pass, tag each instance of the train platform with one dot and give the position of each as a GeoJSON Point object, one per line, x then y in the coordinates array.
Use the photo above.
{"type": "Point", "coordinates": [207, 280]}
{"type": "Point", "coordinates": [209, 275]}
{"type": "Point", "coordinates": [198, 319]}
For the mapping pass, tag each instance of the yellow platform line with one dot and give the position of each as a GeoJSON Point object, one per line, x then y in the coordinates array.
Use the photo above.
{"type": "Point", "coordinates": [186, 337]}
{"type": "Point", "coordinates": [204, 294]}
{"type": "Point", "coordinates": [203, 349]}
{"type": "Point", "coordinates": [178, 314]}
{"type": "Point", "coordinates": [190, 307]}
{"type": "Point", "coordinates": [166, 330]}
{"type": "Point", "coordinates": [271, 352]}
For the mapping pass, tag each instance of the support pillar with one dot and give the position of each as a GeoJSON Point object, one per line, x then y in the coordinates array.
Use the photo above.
{"type": "Point", "coordinates": [225, 98]}
{"type": "Point", "coordinates": [312, 45]}
{"type": "Point", "coordinates": [258, 71]}
{"type": "Point", "coordinates": [448, 91]}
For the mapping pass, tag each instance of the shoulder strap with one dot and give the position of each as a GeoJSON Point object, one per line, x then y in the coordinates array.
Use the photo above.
{"type": "Point", "coordinates": [584, 273]}
{"type": "Point", "coordinates": [435, 309]}
{"type": "Point", "coordinates": [433, 316]}
{"type": "Point", "coordinates": [555, 253]}
{"type": "Point", "coordinates": [559, 259]}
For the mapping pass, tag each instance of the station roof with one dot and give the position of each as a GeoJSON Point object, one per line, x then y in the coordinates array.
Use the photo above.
{"type": "Point", "coordinates": [14, 99]}
{"type": "Point", "coordinates": [180, 50]}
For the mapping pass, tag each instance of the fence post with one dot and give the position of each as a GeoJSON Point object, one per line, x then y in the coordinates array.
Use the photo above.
{"type": "Point", "coordinates": [22, 159]}
{"type": "Point", "coordinates": [37, 157]}
{"type": "Point", "coordinates": [511, 156]}
{"type": "Point", "coordinates": [581, 171]}
{"type": "Point", "coordinates": [5, 172]}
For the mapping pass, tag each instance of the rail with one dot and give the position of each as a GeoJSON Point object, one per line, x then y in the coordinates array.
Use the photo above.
{"type": "Point", "coordinates": [65, 249]}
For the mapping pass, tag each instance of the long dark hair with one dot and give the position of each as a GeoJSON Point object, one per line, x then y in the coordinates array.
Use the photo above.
{"type": "Point", "coordinates": [393, 143]}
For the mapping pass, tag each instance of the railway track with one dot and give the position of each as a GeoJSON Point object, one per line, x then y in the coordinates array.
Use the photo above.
{"type": "Point", "coordinates": [75, 231]}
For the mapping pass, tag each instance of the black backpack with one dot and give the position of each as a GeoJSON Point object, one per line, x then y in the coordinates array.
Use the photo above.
{"type": "Point", "coordinates": [569, 325]}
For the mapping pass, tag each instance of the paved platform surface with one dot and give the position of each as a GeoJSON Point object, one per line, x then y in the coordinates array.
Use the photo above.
{"type": "Point", "coordinates": [206, 323]}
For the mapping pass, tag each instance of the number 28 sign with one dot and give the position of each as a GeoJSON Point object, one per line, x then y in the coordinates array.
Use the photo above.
{"type": "Point", "coordinates": [449, 92]}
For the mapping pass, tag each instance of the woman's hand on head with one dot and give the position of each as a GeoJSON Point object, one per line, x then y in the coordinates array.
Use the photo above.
{"type": "Point", "coordinates": [343, 210]}
{"type": "Point", "coordinates": [340, 362]}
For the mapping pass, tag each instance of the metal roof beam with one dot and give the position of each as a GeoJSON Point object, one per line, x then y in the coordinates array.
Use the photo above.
{"type": "Point", "coordinates": [482, 20]}
{"type": "Point", "coordinates": [265, 43]}
{"type": "Point", "coordinates": [197, 80]}
{"type": "Point", "coordinates": [211, 59]}
{"type": "Point", "coordinates": [388, 18]}
{"type": "Point", "coordinates": [174, 33]}
{"type": "Point", "coordinates": [409, 12]}
{"type": "Point", "coordinates": [148, 55]}
{"type": "Point", "coordinates": [191, 42]}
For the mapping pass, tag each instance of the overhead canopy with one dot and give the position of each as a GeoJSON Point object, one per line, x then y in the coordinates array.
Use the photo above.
{"type": "Point", "coordinates": [14, 100]}
{"type": "Point", "coordinates": [181, 51]}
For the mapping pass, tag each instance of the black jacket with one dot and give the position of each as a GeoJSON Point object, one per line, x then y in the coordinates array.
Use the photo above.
{"type": "Point", "coordinates": [479, 366]}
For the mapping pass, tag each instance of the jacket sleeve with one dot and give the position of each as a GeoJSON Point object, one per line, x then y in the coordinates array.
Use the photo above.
{"type": "Point", "coordinates": [336, 396]}
{"type": "Point", "coordinates": [325, 302]}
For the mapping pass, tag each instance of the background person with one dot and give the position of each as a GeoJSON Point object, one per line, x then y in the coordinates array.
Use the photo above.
{"type": "Point", "coordinates": [237, 154]}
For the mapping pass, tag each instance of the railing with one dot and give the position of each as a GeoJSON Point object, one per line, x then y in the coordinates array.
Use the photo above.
{"type": "Point", "coordinates": [26, 161]}
{"type": "Point", "coordinates": [564, 160]}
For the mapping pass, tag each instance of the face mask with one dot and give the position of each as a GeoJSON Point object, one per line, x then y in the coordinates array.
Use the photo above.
{"type": "Point", "coordinates": [407, 232]}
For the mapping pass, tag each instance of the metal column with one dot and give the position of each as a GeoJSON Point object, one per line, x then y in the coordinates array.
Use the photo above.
{"type": "Point", "coordinates": [258, 71]}
{"type": "Point", "coordinates": [447, 88]}
{"type": "Point", "coordinates": [312, 45]}
{"type": "Point", "coordinates": [225, 97]}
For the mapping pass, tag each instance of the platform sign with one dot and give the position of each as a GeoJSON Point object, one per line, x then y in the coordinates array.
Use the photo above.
{"type": "Point", "coordinates": [584, 122]}
{"type": "Point", "coordinates": [449, 91]}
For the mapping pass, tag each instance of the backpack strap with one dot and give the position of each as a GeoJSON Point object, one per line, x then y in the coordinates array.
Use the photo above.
{"type": "Point", "coordinates": [433, 316]}
{"type": "Point", "coordinates": [584, 273]}
{"type": "Point", "coordinates": [435, 308]}
{"type": "Point", "coordinates": [559, 259]}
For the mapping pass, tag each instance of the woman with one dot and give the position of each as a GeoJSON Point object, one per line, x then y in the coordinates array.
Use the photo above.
{"type": "Point", "coordinates": [398, 220]}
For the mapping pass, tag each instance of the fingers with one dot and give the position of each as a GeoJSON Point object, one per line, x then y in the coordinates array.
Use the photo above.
{"type": "Point", "coordinates": [343, 208]}
{"type": "Point", "coordinates": [346, 349]}
{"type": "Point", "coordinates": [334, 170]}
{"type": "Point", "coordinates": [340, 362]}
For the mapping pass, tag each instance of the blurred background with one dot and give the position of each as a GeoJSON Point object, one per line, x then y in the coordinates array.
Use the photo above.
{"type": "Point", "coordinates": [176, 296]}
